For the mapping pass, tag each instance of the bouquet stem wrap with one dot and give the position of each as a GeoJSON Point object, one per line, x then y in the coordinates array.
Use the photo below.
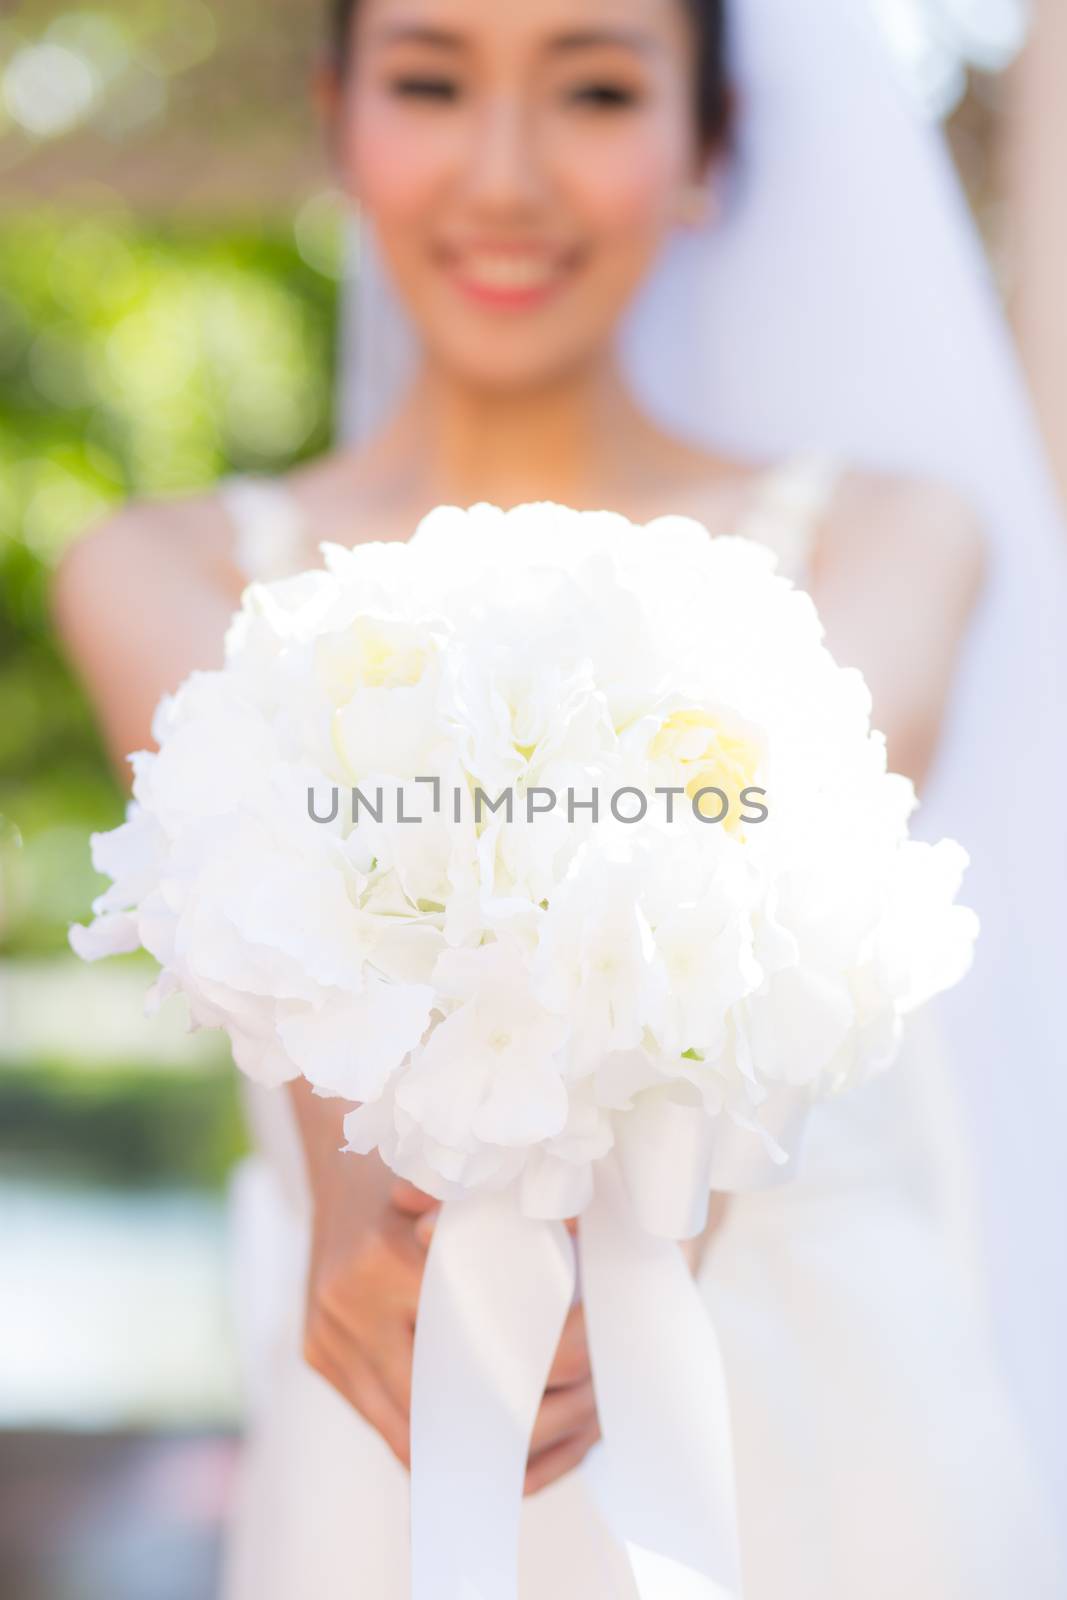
{"type": "Point", "coordinates": [496, 1292]}
{"type": "Point", "coordinates": [495, 1295]}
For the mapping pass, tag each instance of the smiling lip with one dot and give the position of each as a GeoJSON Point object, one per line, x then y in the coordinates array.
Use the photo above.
{"type": "Point", "coordinates": [508, 277]}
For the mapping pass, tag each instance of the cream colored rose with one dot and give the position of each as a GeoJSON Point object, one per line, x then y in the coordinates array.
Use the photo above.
{"type": "Point", "coordinates": [701, 748]}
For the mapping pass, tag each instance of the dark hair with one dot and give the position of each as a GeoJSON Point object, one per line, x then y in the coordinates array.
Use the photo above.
{"type": "Point", "coordinates": [713, 101]}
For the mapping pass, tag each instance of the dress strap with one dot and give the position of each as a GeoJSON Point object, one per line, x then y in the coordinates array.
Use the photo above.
{"type": "Point", "coordinates": [790, 499]}
{"type": "Point", "coordinates": [270, 532]}
{"type": "Point", "coordinates": [789, 502]}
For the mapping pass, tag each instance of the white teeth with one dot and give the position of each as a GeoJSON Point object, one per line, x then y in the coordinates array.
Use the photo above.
{"type": "Point", "coordinates": [508, 272]}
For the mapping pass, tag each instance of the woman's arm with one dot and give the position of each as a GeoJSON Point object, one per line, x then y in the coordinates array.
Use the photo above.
{"type": "Point", "coordinates": [897, 569]}
{"type": "Point", "coordinates": [139, 602]}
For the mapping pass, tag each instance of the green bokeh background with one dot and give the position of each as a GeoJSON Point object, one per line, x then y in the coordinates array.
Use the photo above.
{"type": "Point", "coordinates": [135, 358]}
{"type": "Point", "coordinates": [164, 319]}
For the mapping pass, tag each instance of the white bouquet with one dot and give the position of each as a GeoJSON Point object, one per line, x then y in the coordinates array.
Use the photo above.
{"type": "Point", "coordinates": [564, 851]}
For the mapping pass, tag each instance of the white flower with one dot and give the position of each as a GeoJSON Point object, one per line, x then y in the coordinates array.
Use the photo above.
{"type": "Point", "coordinates": [494, 988]}
{"type": "Point", "coordinates": [596, 961]}
{"type": "Point", "coordinates": [491, 1070]}
{"type": "Point", "coordinates": [350, 1044]}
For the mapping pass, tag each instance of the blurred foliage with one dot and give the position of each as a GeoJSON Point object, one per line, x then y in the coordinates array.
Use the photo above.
{"type": "Point", "coordinates": [168, 261]}
{"type": "Point", "coordinates": [135, 359]}
{"type": "Point", "coordinates": [141, 1128]}
{"type": "Point", "coordinates": [177, 106]}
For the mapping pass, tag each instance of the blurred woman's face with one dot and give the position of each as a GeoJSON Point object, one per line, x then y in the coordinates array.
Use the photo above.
{"type": "Point", "coordinates": [522, 161]}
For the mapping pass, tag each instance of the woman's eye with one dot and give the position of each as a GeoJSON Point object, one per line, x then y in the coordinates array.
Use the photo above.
{"type": "Point", "coordinates": [426, 88]}
{"type": "Point", "coordinates": [603, 96]}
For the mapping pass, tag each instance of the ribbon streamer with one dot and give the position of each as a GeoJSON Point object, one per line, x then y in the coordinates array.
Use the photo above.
{"type": "Point", "coordinates": [495, 1295]}
{"type": "Point", "coordinates": [496, 1291]}
{"type": "Point", "coordinates": [665, 1478]}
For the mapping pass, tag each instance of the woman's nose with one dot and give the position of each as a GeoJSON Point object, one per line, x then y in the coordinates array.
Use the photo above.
{"type": "Point", "coordinates": [504, 170]}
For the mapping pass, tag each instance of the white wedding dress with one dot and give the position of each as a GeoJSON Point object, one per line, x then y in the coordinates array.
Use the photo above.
{"type": "Point", "coordinates": [875, 1452]}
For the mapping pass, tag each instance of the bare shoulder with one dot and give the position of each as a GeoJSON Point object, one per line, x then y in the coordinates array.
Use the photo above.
{"type": "Point", "coordinates": [186, 534]}
{"type": "Point", "coordinates": [896, 570]}
{"type": "Point", "coordinates": [139, 602]}
{"type": "Point", "coordinates": [882, 521]}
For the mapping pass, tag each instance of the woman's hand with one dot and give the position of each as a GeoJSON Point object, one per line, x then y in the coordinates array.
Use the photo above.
{"type": "Point", "coordinates": [369, 1242]}
{"type": "Point", "coordinates": [370, 1236]}
{"type": "Point", "coordinates": [567, 1425]}
{"type": "Point", "coordinates": [364, 1277]}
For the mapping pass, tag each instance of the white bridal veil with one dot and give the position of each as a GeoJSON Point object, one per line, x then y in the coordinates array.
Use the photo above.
{"type": "Point", "coordinates": [841, 301]}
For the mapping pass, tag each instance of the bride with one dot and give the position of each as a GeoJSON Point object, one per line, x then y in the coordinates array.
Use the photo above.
{"type": "Point", "coordinates": [552, 311]}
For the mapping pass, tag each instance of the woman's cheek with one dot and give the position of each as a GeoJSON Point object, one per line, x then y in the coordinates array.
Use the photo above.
{"type": "Point", "coordinates": [626, 188]}
{"type": "Point", "coordinates": [394, 164]}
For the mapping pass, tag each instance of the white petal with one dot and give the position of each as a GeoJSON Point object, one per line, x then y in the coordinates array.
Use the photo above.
{"type": "Point", "coordinates": [355, 1042]}
{"type": "Point", "coordinates": [113, 934]}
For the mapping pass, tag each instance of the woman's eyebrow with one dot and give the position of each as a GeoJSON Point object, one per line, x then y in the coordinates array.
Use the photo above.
{"type": "Point", "coordinates": [418, 33]}
{"type": "Point", "coordinates": [594, 38]}
{"type": "Point", "coordinates": [573, 39]}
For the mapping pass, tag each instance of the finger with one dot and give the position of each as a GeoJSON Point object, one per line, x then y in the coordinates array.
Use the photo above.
{"type": "Point", "coordinates": [571, 1362]}
{"type": "Point", "coordinates": [373, 1403]}
{"type": "Point", "coordinates": [393, 1366]}
{"type": "Point", "coordinates": [358, 1385]}
{"type": "Point", "coordinates": [563, 1412]}
{"type": "Point", "coordinates": [417, 1212]}
{"type": "Point", "coordinates": [400, 1233]}
{"type": "Point", "coordinates": [386, 1351]}
{"type": "Point", "coordinates": [411, 1201]}
{"type": "Point", "coordinates": [560, 1459]}
{"type": "Point", "coordinates": [424, 1227]}
{"type": "Point", "coordinates": [378, 1286]}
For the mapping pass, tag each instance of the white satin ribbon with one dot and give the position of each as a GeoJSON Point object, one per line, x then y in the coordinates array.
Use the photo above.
{"type": "Point", "coordinates": [665, 1478]}
{"type": "Point", "coordinates": [495, 1295]}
